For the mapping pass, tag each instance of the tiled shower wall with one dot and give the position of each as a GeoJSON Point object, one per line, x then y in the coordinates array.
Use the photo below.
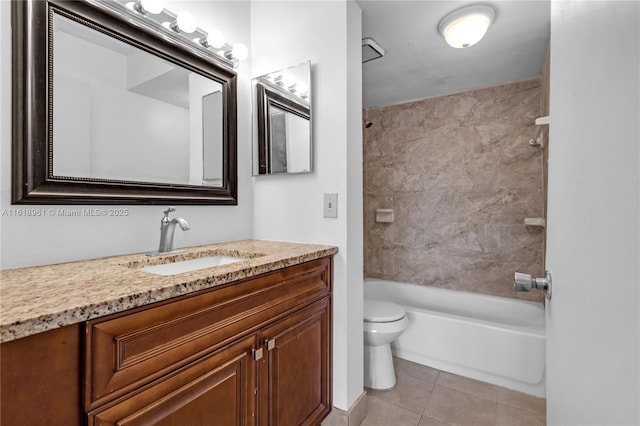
{"type": "Point", "coordinates": [460, 175]}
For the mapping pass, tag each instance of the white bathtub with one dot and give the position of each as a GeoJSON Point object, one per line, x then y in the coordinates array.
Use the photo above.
{"type": "Point", "coordinates": [494, 339]}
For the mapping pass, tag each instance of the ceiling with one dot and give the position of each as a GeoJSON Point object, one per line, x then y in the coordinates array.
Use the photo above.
{"type": "Point", "coordinates": [419, 64]}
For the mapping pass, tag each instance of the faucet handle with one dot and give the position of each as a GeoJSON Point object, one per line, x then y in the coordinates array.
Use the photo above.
{"type": "Point", "coordinates": [165, 218]}
{"type": "Point", "coordinates": [169, 210]}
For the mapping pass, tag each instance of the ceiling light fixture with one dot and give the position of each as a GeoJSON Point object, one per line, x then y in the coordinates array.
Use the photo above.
{"type": "Point", "coordinates": [466, 26]}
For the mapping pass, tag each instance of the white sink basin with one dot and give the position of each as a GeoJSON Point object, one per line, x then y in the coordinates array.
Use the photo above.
{"type": "Point", "coordinates": [175, 268]}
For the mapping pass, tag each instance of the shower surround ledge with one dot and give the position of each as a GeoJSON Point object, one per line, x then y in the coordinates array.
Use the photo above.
{"type": "Point", "coordinates": [41, 298]}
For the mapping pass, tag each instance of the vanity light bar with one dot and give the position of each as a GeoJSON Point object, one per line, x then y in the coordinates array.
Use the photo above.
{"type": "Point", "coordinates": [180, 26]}
{"type": "Point", "coordinates": [285, 82]}
{"type": "Point", "coordinates": [294, 91]}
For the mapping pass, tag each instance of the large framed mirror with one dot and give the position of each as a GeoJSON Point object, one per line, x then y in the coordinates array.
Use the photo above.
{"type": "Point", "coordinates": [108, 111]}
{"type": "Point", "coordinates": [282, 129]}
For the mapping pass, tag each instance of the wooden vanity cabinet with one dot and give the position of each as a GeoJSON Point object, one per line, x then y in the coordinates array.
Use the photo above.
{"type": "Point", "coordinates": [264, 342]}
{"type": "Point", "coordinates": [251, 352]}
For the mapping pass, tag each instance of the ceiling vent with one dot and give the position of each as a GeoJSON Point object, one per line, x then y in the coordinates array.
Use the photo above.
{"type": "Point", "coordinates": [371, 50]}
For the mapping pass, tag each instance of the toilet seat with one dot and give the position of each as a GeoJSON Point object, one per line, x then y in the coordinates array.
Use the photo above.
{"type": "Point", "coordinates": [376, 310]}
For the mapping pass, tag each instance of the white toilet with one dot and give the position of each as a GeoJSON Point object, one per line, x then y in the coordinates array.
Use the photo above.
{"type": "Point", "coordinates": [383, 322]}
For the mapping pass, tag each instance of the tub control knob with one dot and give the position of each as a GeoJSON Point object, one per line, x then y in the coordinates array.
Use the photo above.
{"type": "Point", "coordinates": [524, 282]}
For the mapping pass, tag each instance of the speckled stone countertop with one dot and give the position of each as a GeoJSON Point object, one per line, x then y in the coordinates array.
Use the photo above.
{"type": "Point", "coordinates": [40, 298]}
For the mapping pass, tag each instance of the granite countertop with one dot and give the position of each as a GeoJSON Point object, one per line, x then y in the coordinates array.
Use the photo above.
{"type": "Point", "coordinates": [41, 298]}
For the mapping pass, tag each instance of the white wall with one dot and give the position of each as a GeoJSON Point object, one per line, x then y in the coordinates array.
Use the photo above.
{"type": "Point", "coordinates": [27, 241]}
{"type": "Point", "coordinates": [353, 304]}
{"type": "Point", "coordinates": [593, 249]}
{"type": "Point", "coordinates": [290, 207]}
{"type": "Point", "coordinates": [286, 207]}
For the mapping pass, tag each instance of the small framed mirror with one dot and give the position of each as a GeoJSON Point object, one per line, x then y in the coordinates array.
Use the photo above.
{"type": "Point", "coordinates": [108, 111]}
{"type": "Point", "coordinates": [282, 141]}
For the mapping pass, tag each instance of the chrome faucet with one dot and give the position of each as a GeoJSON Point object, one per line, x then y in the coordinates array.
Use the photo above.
{"type": "Point", "coordinates": [168, 228]}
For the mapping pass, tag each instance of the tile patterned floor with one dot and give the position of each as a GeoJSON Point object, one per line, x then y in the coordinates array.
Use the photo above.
{"type": "Point", "coordinates": [424, 396]}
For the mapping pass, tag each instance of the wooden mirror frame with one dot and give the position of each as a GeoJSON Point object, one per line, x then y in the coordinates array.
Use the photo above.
{"type": "Point", "coordinates": [32, 108]}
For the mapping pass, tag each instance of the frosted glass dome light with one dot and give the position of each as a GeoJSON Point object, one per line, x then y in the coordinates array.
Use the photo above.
{"type": "Point", "coordinates": [465, 27]}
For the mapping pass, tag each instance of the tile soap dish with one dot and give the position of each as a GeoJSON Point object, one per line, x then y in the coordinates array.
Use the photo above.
{"type": "Point", "coordinates": [384, 215]}
{"type": "Point", "coordinates": [535, 221]}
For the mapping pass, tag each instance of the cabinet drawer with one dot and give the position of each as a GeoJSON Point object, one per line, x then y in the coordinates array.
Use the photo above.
{"type": "Point", "coordinates": [128, 350]}
{"type": "Point", "coordinates": [219, 386]}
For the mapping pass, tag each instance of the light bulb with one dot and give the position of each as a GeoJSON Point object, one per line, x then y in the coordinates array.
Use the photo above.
{"type": "Point", "coordinates": [240, 51]}
{"type": "Point", "coordinates": [152, 6]}
{"type": "Point", "coordinates": [216, 39]}
{"type": "Point", "coordinates": [186, 22]}
{"type": "Point", "coordinates": [302, 87]}
{"type": "Point", "coordinates": [288, 80]}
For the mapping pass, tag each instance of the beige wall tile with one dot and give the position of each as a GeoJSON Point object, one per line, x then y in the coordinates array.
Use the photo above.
{"type": "Point", "coordinates": [460, 174]}
{"type": "Point", "coordinates": [428, 421]}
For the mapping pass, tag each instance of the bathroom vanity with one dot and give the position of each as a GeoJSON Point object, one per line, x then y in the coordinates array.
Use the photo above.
{"type": "Point", "coordinates": [247, 343]}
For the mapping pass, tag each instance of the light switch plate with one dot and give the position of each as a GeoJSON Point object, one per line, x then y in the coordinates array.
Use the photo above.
{"type": "Point", "coordinates": [330, 208]}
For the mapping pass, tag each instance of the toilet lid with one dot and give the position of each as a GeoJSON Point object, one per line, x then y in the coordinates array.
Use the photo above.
{"type": "Point", "coordinates": [376, 310]}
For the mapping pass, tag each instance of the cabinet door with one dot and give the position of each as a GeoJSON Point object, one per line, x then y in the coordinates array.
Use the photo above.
{"type": "Point", "coordinates": [40, 379]}
{"type": "Point", "coordinates": [218, 389]}
{"type": "Point", "coordinates": [295, 373]}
